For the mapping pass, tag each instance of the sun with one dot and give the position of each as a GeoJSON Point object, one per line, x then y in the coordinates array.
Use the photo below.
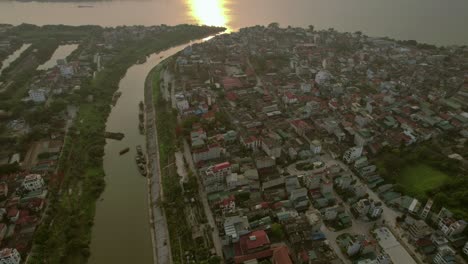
{"type": "Point", "coordinates": [209, 12]}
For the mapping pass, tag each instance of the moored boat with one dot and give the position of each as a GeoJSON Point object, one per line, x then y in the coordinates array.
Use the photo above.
{"type": "Point", "coordinates": [123, 151]}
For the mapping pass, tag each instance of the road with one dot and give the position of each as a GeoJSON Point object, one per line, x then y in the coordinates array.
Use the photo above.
{"type": "Point", "coordinates": [160, 234]}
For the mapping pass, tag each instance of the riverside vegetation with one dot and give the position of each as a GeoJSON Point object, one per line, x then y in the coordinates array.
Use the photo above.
{"type": "Point", "coordinates": [64, 234]}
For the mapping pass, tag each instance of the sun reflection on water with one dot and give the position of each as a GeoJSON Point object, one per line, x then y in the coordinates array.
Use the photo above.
{"type": "Point", "coordinates": [209, 12]}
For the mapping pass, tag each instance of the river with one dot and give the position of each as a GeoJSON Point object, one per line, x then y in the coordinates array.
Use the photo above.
{"type": "Point", "coordinates": [121, 232]}
{"type": "Point", "coordinates": [432, 21]}
{"type": "Point", "coordinates": [12, 57]}
{"type": "Point", "coordinates": [60, 53]}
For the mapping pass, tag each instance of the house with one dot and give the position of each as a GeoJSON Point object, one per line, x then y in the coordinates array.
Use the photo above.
{"type": "Point", "coordinates": [250, 142]}
{"type": "Point", "coordinates": [300, 127]}
{"type": "Point", "coordinates": [181, 102]}
{"type": "Point", "coordinates": [235, 226]}
{"type": "Point", "coordinates": [271, 147]}
{"type": "Point", "coordinates": [33, 182]}
{"type": "Point", "coordinates": [264, 162]}
{"type": "Point", "coordinates": [352, 154]}
{"type": "Point", "coordinates": [9, 256]}
{"type": "Point", "coordinates": [210, 152]}
{"type": "Point", "coordinates": [289, 98]}
{"type": "Point", "coordinates": [214, 177]}
{"type": "Point", "coordinates": [37, 95]}
{"type": "Point", "coordinates": [299, 198]}
{"type": "Point", "coordinates": [419, 229]}
{"type": "Point", "coordinates": [445, 255]}
{"type": "Point", "coordinates": [351, 244]}
{"type": "Point", "coordinates": [363, 137]}
{"type": "Point", "coordinates": [253, 245]}
{"type": "Point", "coordinates": [3, 190]}
{"type": "Point", "coordinates": [316, 147]}
{"type": "Point", "coordinates": [451, 227]}
{"type": "Point", "coordinates": [281, 255]}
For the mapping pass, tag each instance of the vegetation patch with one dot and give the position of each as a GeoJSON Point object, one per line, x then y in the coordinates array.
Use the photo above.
{"type": "Point", "coordinates": [420, 178]}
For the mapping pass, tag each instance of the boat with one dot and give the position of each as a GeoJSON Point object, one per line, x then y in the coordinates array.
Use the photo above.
{"type": "Point", "coordinates": [139, 150]}
{"type": "Point", "coordinates": [85, 6]}
{"type": "Point", "coordinates": [141, 117]}
{"type": "Point", "coordinates": [113, 135]}
{"type": "Point", "coordinates": [123, 151]}
{"type": "Point", "coordinates": [142, 128]}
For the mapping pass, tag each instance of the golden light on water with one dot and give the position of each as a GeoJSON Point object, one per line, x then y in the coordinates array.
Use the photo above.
{"type": "Point", "coordinates": [209, 12]}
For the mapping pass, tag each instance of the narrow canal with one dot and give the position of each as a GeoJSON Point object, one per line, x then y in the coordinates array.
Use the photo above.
{"type": "Point", "coordinates": [13, 56]}
{"type": "Point", "coordinates": [121, 232]}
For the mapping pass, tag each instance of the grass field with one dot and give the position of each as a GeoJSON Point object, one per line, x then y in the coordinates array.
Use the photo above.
{"type": "Point", "coordinates": [419, 178]}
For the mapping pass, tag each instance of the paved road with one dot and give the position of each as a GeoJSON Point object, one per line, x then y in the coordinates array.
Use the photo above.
{"type": "Point", "coordinates": [160, 236]}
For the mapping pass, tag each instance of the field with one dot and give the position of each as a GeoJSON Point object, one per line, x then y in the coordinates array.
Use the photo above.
{"type": "Point", "coordinates": [419, 178]}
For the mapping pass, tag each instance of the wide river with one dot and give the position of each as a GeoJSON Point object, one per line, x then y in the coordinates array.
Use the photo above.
{"type": "Point", "coordinates": [433, 21]}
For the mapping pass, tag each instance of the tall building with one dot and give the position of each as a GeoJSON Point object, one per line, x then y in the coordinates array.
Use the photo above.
{"type": "Point", "coordinates": [427, 209]}
{"type": "Point", "coordinates": [33, 182]}
{"type": "Point", "coordinates": [214, 177]}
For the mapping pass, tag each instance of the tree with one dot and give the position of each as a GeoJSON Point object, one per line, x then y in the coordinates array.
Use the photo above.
{"type": "Point", "coordinates": [274, 25]}
{"type": "Point", "coordinates": [277, 231]}
{"type": "Point", "coordinates": [311, 28]}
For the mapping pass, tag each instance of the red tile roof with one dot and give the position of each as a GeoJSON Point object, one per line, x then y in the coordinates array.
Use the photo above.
{"type": "Point", "coordinates": [254, 240]}
{"type": "Point", "coordinates": [281, 255]}
{"type": "Point", "coordinates": [221, 166]}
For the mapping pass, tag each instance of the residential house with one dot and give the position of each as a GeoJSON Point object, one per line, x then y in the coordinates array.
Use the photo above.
{"type": "Point", "coordinates": [450, 226]}
{"type": "Point", "coordinates": [37, 95]}
{"type": "Point", "coordinates": [214, 177]}
{"type": "Point", "coordinates": [445, 255]}
{"type": "Point", "coordinates": [352, 154]}
{"type": "Point", "coordinates": [9, 256]}
{"type": "Point", "coordinates": [33, 182]}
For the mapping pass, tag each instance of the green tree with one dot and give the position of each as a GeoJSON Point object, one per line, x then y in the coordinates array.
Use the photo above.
{"type": "Point", "coordinates": [277, 231]}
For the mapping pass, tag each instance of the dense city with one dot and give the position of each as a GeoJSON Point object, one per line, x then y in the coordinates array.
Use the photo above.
{"type": "Point", "coordinates": [323, 147]}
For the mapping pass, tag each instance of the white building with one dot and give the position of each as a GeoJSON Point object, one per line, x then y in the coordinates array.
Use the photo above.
{"type": "Point", "coordinates": [323, 77]}
{"type": "Point", "coordinates": [214, 177]}
{"type": "Point", "coordinates": [306, 87]}
{"type": "Point", "coordinates": [352, 154]}
{"type": "Point", "coordinates": [181, 103]}
{"type": "Point", "coordinates": [375, 209]}
{"type": "Point", "coordinates": [316, 147]}
{"type": "Point", "coordinates": [445, 255]}
{"type": "Point", "coordinates": [33, 182]}
{"type": "Point", "coordinates": [37, 95]}
{"type": "Point", "coordinates": [67, 70]}
{"type": "Point", "coordinates": [450, 227]}
{"type": "Point", "coordinates": [9, 256]}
